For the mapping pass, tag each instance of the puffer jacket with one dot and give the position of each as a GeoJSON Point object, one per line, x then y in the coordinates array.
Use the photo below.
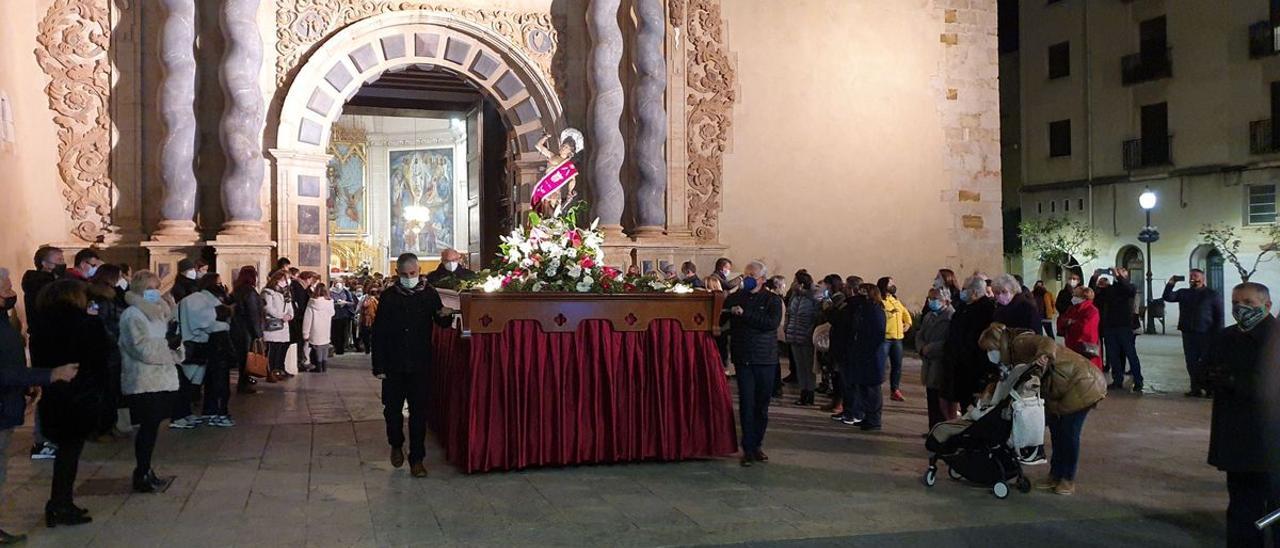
{"type": "Point", "coordinates": [317, 321]}
{"type": "Point", "coordinates": [198, 316]}
{"type": "Point", "coordinates": [897, 319]}
{"type": "Point", "coordinates": [931, 340]}
{"type": "Point", "coordinates": [1070, 384]}
{"type": "Point", "coordinates": [802, 317]}
{"type": "Point", "coordinates": [753, 336]}
{"type": "Point", "coordinates": [147, 361]}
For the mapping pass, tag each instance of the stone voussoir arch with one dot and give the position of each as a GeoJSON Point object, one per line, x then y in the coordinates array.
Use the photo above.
{"type": "Point", "coordinates": [362, 52]}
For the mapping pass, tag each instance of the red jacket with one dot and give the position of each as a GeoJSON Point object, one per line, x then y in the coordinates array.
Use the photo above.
{"type": "Point", "coordinates": [1080, 326]}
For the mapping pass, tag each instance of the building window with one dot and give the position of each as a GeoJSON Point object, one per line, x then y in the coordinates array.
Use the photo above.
{"type": "Point", "coordinates": [1066, 205]}
{"type": "Point", "coordinates": [1039, 207]}
{"type": "Point", "coordinates": [1080, 204]}
{"type": "Point", "coordinates": [1053, 207]}
{"type": "Point", "coordinates": [1262, 204]}
{"type": "Point", "coordinates": [1060, 60]}
{"type": "Point", "coordinates": [1060, 138]}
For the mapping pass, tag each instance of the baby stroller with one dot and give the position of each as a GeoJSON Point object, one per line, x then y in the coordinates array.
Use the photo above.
{"type": "Point", "coordinates": [981, 447]}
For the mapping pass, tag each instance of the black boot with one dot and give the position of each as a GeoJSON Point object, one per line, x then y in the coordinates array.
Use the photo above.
{"type": "Point", "coordinates": [142, 482]}
{"type": "Point", "coordinates": [63, 514]}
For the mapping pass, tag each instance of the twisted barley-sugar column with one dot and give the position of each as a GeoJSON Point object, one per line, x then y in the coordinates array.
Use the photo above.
{"type": "Point", "coordinates": [604, 112]}
{"type": "Point", "coordinates": [649, 150]}
{"type": "Point", "coordinates": [243, 119]}
{"type": "Point", "coordinates": [177, 111]}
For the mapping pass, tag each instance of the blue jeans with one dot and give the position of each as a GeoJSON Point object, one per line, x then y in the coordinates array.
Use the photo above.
{"type": "Point", "coordinates": [1194, 345]}
{"type": "Point", "coordinates": [1121, 347]}
{"type": "Point", "coordinates": [1064, 432]}
{"type": "Point", "coordinates": [892, 350]}
{"type": "Point", "coordinates": [755, 388]}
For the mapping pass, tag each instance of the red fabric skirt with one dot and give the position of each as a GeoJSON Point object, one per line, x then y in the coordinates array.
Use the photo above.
{"type": "Point", "coordinates": [521, 398]}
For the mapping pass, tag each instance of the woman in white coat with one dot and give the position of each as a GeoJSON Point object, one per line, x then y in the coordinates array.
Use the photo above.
{"type": "Point", "coordinates": [148, 378]}
{"type": "Point", "coordinates": [316, 327]}
{"type": "Point", "coordinates": [278, 309]}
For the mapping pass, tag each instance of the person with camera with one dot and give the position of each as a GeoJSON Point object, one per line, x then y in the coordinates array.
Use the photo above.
{"type": "Point", "coordinates": [1114, 295]}
{"type": "Point", "coordinates": [1200, 315]}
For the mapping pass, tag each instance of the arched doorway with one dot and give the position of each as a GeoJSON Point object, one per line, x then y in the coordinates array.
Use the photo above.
{"type": "Point", "coordinates": [403, 42]}
{"type": "Point", "coordinates": [1211, 261]}
{"type": "Point", "coordinates": [1131, 259]}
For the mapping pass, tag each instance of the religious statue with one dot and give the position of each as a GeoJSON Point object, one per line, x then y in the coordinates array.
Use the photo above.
{"type": "Point", "coordinates": [560, 171]}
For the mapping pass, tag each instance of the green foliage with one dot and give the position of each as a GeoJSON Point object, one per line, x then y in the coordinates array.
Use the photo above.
{"type": "Point", "coordinates": [1067, 243]}
{"type": "Point", "coordinates": [1228, 239]}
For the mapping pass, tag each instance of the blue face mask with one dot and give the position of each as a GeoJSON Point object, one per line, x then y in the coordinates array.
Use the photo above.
{"type": "Point", "coordinates": [749, 284]}
{"type": "Point", "coordinates": [151, 295]}
{"type": "Point", "coordinates": [935, 305]}
{"type": "Point", "coordinates": [964, 295]}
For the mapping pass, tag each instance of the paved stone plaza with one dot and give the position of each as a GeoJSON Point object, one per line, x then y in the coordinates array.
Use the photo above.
{"type": "Point", "coordinates": [307, 466]}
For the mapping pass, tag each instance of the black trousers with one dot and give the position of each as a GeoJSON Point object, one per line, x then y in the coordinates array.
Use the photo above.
{"type": "Point", "coordinates": [188, 393]}
{"type": "Point", "coordinates": [396, 389]}
{"type": "Point", "coordinates": [340, 329]}
{"type": "Point", "coordinates": [276, 352]}
{"type": "Point", "coordinates": [148, 410]}
{"type": "Point", "coordinates": [755, 388]}
{"type": "Point", "coordinates": [1251, 498]}
{"type": "Point", "coordinates": [65, 468]}
{"type": "Point", "coordinates": [936, 414]}
{"type": "Point", "coordinates": [240, 342]}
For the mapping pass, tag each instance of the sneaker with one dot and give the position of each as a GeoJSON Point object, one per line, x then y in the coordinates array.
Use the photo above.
{"type": "Point", "coordinates": [1047, 484]}
{"type": "Point", "coordinates": [1031, 456]}
{"type": "Point", "coordinates": [221, 421]}
{"type": "Point", "coordinates": [851, 422]}
{"type": "Point", "coordinates": [185, 423]}
{"type": "Point", "coordinates": [896, 395]}
{"type": "Point", "coordinates": [47, 451]}
{"type": "Point", "coordinates": [1137, 388]}
{"type": "Point", "coordinates": [837, 416]}
{"type": "Point", "coordinates": [1065, 487]}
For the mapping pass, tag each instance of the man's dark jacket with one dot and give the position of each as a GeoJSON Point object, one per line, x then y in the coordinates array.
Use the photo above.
{"type": "Point", "coordinates": [402, 328]}
{"type": "Point", "coordinates": [183, 286]}
{"type": "Point", "coordinates": [1115, 303]}
{"type": "Point", "coordinates": [753, 336]}
{"type": "Point", "coordinates": [1199, 310]}
{"type": "Point", "coordinates": [863, 365]}
{"type": "Point", "coordinates": [442, 275]}
{"type": "Point", "coordinates": [32, 282]}
{"type": "Point", "coordinates": [15, 377]}
{"type": "Point", "coordinates": [1021, 312]}
{"type": "Point", "coordinates": [1240, 375]}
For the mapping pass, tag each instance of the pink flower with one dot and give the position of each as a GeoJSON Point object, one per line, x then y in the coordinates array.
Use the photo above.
{"type": "Point", "coordinates": [610, 272]}
{"type": "Point", "coordinates": [587, 262]}
{"type": "Point", "coordinates": [506, 280]}
{"type": "Point", "coordinates": [575, 237]}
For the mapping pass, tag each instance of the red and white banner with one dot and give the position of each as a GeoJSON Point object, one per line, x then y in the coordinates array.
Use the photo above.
{"type": "Point", "coordinates": [553, 181]}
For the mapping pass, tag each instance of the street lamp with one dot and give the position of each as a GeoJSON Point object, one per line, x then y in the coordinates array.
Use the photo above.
{"type": "Point", "coordinates": [1148, 235]}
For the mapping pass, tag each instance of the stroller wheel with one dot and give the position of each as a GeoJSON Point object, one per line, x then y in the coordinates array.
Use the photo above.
{"type": "Point", "coordinates": [1001, 489]}
{"type": "Point", "coordinates": [1024, 484]}
{"type": "Point", "coordinates": [953, 474]}
{"type": "Point", "coordinates": [931, 476]}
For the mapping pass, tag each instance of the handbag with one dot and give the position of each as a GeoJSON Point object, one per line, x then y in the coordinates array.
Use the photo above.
{"type": "Point", "coordinates": [256, 363]}
{"type": "Point", "coordinates": [274, 324]}
{"type": "Point", "coordinates": [1089, 350]}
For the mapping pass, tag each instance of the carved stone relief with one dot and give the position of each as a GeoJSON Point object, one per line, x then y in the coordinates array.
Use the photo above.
{"type": "Point", "coordinates": [300, 24]}
{"type": "Point", "coordinates": [711, 79]}
{"type": "Point", "coordinates": [73, 39]}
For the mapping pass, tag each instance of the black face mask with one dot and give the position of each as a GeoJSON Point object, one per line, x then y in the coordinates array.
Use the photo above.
{"type": "Point", "coordinates": [60, 270]}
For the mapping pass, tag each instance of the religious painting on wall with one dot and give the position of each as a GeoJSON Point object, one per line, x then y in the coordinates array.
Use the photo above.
{"type": "Point", "coordinates": [422, 207]}
{"type": "Point", "coordinates": [348, 215]}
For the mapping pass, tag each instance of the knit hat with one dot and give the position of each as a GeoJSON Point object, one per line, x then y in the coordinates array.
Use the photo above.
{"type": "Point", "coordinates": [185, 265]}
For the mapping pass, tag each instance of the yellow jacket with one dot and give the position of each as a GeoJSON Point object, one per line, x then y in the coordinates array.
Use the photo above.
{"type": "Point", "coordinates": [897, 320]}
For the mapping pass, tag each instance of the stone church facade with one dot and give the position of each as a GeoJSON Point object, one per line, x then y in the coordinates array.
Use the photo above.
{"type": "Point", "coordinates": [836, 135]}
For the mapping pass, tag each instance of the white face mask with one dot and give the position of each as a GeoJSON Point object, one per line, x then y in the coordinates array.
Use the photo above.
{"type": "Point", "coordinates": [451, 266]}
{"type": "Point", "coordinates": [1073, 283]}
{"type": "Point", "coordinates": [993, 356]}
{"type": "Point", "coordinates": [190, 274]}
{"type": "Point", "coordinates": [123, 284]}
{"type": "Point", "coordinates": [1077, 300]}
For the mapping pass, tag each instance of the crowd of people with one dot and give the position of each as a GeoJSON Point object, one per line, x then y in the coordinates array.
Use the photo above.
{"type": "Point", "coordinates": [114, 355]}
{"type": "Point", "coordinates": [843, 337]}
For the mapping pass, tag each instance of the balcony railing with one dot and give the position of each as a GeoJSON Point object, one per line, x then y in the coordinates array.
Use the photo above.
{"type": "Point", "coordinates": [1264, 41]}
{"type": "Point", "coordinates": [1146, 66]}
{"type": "Point", "coordinates": [1262, 137]}
{"type": "Point", "coordinates": [1141, 153]}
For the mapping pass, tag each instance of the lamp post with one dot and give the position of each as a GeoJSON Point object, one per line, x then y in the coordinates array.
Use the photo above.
{"type": "Point", "coordinates": [1148, 235]}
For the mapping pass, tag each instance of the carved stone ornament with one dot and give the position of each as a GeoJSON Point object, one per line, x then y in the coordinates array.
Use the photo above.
{"type": "Point", "coordinates": [300, 24]}
{"type": "Point", "coordinates": [73, 40]}
{"type": "Point", "coordinates": [712, 89]}
{"type": "Point", "coordinates": [675, 12]}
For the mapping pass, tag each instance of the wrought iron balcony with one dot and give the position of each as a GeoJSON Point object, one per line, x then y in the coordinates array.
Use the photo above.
{"type": "Point", "coordinates": [1264, 41]}
{"type": "Point", "coordinates": [1142, 153]}
{"type": "Point", "coordinates": [1146, 66]}
{"type": "Point", "coordinates": [1262, 137]}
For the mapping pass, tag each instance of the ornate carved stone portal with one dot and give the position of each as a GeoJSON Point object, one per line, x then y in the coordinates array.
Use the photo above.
{"type": "Point", "coordinates": [73, 39]}
{"type": "Point", "coordinates": [712, 88]}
